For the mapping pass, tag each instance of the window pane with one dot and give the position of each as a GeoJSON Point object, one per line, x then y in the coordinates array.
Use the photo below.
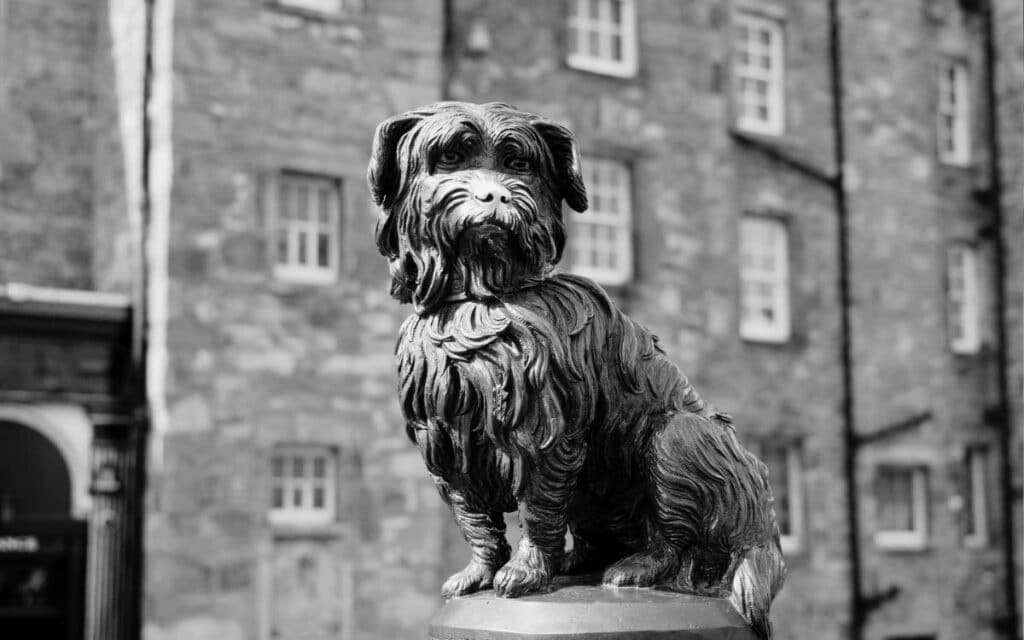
{"type": "Point", "coordinates": [284, 201]}
{"type": "Point", "coordinates": [976, 495]}
{"type": "Point", "coordinates": [282, 245]}
{"type": "Point", "coordinates": [298, 467]}
{"type": "Point", "coordinates": [616, 52]}
{"type": "Point", "coordinates": [302, 202]}
{"type": "Point", "coordinates": [595, 9]}
{"type": "Point", "coordinates": [617, 12]}
{"type": "Point", "coordinates": [896, 500]}
{"type": "Point", "coordinates": [319, 467]}
{"type": "Point", "coordinates": [297, 498]}
{"type": "Point", "coordinates": [324, 201]}
{"type": "Point", "coordinates": [757, 63]}
{"type": "Point", "coordinates": [594, 39]}
{"type": "Point", "coordinates": [277, 498]}
{"type": "Point", "coordinates": [300, 243]}
{"type": "Point", "coordinates": [970, 508]}
{"type": "Point", "coordinates": [277, 466]}
{"type": "Point", "coordinates": [318, 498]}
{"type": "Point", "coordinates": [573, 39]}
{"type": "Point", "coordinates": [323, 253]}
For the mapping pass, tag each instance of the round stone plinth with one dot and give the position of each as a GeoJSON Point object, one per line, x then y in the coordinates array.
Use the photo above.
{"type": "Point", "coordinates": [583, 610]}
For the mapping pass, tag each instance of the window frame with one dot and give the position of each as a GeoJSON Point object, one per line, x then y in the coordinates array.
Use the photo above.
{"type": "Point", "coordinates": [625, 67]}
{"type": "Point", "coordinates": [775, 79]}
{"type": "Point", "coordinates": [968, 299]}
{"type": "Point", "coordinates": [916, 538]}
{"type": "Point", "coordinates": [621, 220]}
{"type": "Point", "coordinates": [792, 542]}
{"type": "Point", "coordinates": [976, 486]}
{"type": "Point", "coordinates": [958, 109]}
{"type": "Point", "coordinates": [780, 330]}
{"type": "Point", "coordinates": [290, 515]}
{"type": "Point", "coordinates": [293, 271]}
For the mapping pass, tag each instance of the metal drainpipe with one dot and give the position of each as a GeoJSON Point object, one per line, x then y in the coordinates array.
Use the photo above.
{"type": "Point", "coordinates": [140, 327]}
{"type": "Point", "coordinates": [449, 54]}
{"type": "Point", "coordinates": [995, 192]}
{"type": "Point", "coordinates": [846, 355]}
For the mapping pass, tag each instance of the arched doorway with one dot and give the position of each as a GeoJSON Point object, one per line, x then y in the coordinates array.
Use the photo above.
{"type": "Point", "coordinates": [42, 548]}
{"type": "Point", "coordinates": [34, 479]}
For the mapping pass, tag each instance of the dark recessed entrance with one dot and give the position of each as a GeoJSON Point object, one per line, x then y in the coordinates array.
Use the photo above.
{"type": "Point", "coordinates": [42, 550]}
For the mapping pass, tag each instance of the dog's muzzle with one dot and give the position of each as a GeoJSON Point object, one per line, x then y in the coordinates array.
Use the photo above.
{"type": "Point", "coordinates": [490, 195]}
{"type": "Point", "coordinates": [490, 219]}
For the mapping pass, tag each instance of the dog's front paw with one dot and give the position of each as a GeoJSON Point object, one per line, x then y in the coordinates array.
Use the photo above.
{"type": "Point", "coordinates": [522, 575]}
{"type": "Point", "coordinates": [474, 577]}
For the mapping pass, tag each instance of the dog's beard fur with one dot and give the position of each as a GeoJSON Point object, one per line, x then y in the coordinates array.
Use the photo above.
{"type": "Point", "coordinates": [451, 246]}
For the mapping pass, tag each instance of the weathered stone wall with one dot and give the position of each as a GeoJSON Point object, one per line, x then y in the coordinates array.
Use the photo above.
{"type": "Point", "coordinates": [692, 181]}
{"type": "Point", "coordinates": [253, 362]}
{"type": "Point", "coordinates": [47, 99]}
{"type": "Point", "coordinates": [905, 208]}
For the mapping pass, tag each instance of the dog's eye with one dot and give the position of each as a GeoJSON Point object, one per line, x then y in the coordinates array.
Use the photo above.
{"type": "Point", "coordinates": [450, 158]}
{"type": "Point", "coordinates": [521, 165]}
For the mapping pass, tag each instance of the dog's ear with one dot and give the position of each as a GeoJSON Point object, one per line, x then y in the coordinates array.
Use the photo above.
{"type": "Point", "coordinates": [384, 174]}
{"type": "Point", "coordinates": [566, 156]}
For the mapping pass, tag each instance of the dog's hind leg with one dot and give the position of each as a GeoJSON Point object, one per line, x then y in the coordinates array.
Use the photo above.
{"type": "Point", "coordinates": [485, 533]}
{"type": "Point", "coordinates": [674, 508]}
{"type": "Point", "coordinates": [543, 513]}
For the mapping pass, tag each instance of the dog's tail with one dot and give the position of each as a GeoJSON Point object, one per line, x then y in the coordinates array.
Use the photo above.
{"type": "Point", "coordinates": [757, 580]}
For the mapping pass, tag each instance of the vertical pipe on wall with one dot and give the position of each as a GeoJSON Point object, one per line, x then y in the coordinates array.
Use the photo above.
{"type": "Point", "coordinates": [448, 49]}
{"type": "Point", "coordinates": [140, 331]}
{"type": "Point", "coordinates": [845, 339]}
{"type": "Point", "coordinates": [995, 194]}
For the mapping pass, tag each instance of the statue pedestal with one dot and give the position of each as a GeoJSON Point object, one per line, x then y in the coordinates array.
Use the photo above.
{"type": "Point", "coordinates": [581, 609]}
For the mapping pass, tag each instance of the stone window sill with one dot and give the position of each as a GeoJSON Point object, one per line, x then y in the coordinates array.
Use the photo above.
{"type": "Point", "coordinates": [327, 531]}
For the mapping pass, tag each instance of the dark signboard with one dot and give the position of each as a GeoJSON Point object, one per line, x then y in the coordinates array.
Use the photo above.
{"type": "Point", "coordinates": [42, 568]}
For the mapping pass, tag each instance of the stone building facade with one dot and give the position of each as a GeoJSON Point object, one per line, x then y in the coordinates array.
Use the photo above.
{"type": "Point", "coordinates": [284, 501]}
{"type": "Point", "coordinates": [924, 388]}
{"type": "Point", "coordinates": [280, 367]}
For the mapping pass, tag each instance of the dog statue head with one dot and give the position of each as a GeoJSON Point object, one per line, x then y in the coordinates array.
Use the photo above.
{"type": "Point", "coordinates": [470, 200]}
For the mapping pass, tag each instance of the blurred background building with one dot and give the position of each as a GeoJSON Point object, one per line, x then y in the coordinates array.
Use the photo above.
{"type": "Point", "coordinates": [201, 440]}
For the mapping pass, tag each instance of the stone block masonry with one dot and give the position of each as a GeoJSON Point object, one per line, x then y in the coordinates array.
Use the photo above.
{"type": "Point", "coordinates": [47, 101]}
{"type": "Point", "coordinates": [255, 363]}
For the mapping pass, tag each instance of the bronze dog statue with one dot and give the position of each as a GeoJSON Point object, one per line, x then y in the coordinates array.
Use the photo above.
{"type": "Point", "coordinates": [527, 390]}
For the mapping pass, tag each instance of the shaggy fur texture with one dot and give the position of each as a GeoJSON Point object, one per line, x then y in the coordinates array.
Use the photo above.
{"type": "Point", "coordinates": [527, 390]}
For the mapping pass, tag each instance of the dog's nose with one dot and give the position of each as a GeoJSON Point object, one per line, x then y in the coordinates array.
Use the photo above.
{"type": "Point", "coordinates": [491, 192]}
